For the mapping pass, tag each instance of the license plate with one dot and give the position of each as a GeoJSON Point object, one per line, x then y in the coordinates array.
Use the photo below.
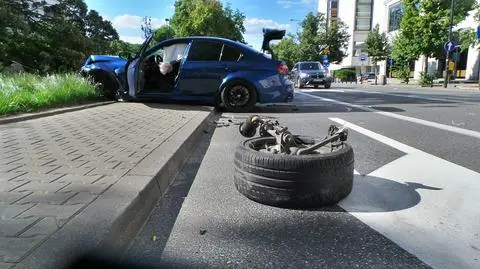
{"type": "Point", "coordinates": [317, 80]}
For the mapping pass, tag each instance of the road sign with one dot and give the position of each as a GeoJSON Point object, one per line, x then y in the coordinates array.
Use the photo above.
{"type": "Point", "coordinates": [326, 64]}
{"type": "Point", "coordinates": [449, 46]}
{"type": "Point", "coordinates": [363, 57]}
{"type": "Point", "coordinates": [478, 32]}
{"type": "Point", "coordinates": [325, 58]}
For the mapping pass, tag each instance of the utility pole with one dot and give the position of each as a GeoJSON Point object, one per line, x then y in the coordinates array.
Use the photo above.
{"type": "Point", "coordinates": [447, 61]}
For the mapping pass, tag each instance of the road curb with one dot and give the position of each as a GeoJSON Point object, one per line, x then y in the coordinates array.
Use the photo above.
{"type": "Point", "coordinates": [109, 223]}
{"type": "Point", "coordinates": [51, 112]}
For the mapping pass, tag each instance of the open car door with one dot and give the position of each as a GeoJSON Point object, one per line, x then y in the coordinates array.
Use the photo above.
{"type": "Point", "coordinates": [132, 65]}
{"type": "Point", "coordinates": [269, 35]}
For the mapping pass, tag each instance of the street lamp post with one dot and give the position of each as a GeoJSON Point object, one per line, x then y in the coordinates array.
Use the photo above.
{"type": "Point", "coordinates": [447, 61]}
{"type": "Point", "coordinates": [167, 22]}
{"type": "Point", "coordinates": [296, 29]}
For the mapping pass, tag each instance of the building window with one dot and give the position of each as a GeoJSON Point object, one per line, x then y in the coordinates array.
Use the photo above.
{"type": "Point", "coordinates": [395, 17]}
{"type": "Point", "coordinates": [363, 15]}
{"type": "Point", "coordinates": [357, 48]}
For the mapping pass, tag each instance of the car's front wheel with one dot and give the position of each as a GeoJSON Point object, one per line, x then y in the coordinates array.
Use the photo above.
{"type": "Point", "coordinates": [328, 85]}
{"type": "Point", "coordinates": [239, 97]}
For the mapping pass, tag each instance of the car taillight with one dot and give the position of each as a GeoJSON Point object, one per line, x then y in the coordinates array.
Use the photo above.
{"type": "Point", "coordinates": [282, 69]}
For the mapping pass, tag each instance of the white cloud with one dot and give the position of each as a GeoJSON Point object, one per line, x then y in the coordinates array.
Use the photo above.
{"type": "Point", "coordinates": [291, 3]}
{"type": "Point", "coordinates": [132, 39]}
{"type": "Point", "coordinates": [127, 21]}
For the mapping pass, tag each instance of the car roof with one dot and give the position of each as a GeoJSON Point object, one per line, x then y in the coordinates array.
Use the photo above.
{"type": "Point", "coordinates": [211, 38]}
{"type": "Point", "coordinates": [308, 62]}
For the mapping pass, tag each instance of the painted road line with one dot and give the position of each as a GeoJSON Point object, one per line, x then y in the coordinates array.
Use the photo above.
{"type": "Point", "coordinates": [425, 204]}
{"type": "Point", "coordinates": [437, 125]}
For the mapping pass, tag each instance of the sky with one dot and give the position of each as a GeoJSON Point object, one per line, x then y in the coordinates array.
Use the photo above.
{"type": "Point", "coordinates": [126, 16]}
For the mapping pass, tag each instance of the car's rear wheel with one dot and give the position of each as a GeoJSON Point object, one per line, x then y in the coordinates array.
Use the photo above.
{"type": "Point", "coordinates": [239, 97]}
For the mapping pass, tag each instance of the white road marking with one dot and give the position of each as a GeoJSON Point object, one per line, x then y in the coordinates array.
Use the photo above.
{"type": "Point", "coordinates": [449, 128]}
{"type": "Point", "coordinates": [425, 204]}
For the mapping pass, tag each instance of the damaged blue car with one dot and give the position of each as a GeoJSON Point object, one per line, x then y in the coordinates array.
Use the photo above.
{"type": "Point", "coordinates": [209, 70]}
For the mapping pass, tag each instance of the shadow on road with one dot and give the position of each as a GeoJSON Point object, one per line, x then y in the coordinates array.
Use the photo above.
{"type": "Point", "coordinates": [373, 194]}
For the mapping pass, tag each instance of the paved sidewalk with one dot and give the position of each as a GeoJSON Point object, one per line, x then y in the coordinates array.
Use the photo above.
{"type": "Point", "coordinates": [52, 169]}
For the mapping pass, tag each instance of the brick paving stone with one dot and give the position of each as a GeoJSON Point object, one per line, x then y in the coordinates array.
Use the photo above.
{"type": "Point", "coordinates": [45, 198]}
{"type": "Point", "coordinates": [43, 186]}
{"type": "Point", "coordinates": [52, 167]}
{"type": "Point", "coordinates": [81, 198]}
{"type": "Point", "coordinates": [4, 265]}
{"type": "Point", "coordinates": [61, 212]}
{"type": "Point", "coordinates": [45, 226]}
{"type": "Point", "coordinates": [10, 211]}
{"type": "Point", "coordinates": [13, 248]}
{"type": "Point", "coordinates": [11, 227]}
{"type": "Point", "coordinates": [7, 186]}
{"type": "Point", "coordinates": [7, 198]}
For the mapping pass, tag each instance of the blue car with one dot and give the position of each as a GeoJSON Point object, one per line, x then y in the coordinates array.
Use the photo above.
{"type": "Point", "coordinates": [209, 70]}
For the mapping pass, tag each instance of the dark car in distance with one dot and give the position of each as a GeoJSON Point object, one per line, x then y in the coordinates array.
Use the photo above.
{"type": "Point", "coordinates": [310, 73]}
{"type": "Point", "coordinates": [209, 70]}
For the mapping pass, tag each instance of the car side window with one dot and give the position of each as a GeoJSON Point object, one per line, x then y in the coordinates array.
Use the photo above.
{"type": "Point", "coordinates": [204, 51]}
{"type": "Point", "coordinates": [230, 54]}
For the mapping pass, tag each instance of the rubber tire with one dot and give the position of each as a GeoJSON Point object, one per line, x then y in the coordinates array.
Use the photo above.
{"type": "Point", "coordinates": [315, 86]}
{"type": "Point", "coordinates": [299, 84]}
{"type": "Point", "coordinates": [328, 85]}
{"type": "Point", "coordinates": [106, 86]}
{"type": "Point", "coordinates": [248, 107]}
{"type": "Point", "coordinates": [293, 181]}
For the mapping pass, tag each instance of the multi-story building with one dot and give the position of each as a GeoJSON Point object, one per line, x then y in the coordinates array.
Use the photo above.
{"type": "Point", "coordinates": [361, 16]}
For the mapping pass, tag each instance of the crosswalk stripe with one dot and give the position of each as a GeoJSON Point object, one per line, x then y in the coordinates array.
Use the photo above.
{"type": "Point", "coordinates": [402, 117]}
{"type": "Point", "coordinates": [425, 204]}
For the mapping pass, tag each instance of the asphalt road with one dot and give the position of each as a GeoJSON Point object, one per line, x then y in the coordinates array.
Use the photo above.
{"type": "Point", "coordinates": [414, 203]}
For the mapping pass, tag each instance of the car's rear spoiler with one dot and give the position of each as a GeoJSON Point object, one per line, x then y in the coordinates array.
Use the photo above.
{"type": "Point", "coordinates": [269, 35]}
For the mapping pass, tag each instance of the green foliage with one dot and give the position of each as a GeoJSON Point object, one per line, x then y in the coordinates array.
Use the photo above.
{"type": "Point", "coordinates": [28, 93]}
{"type": "Point", "coordinates": [207, 18]}
{"type": "Point", "coordinates": [163, 33]}
{"type": "Point", "coordinates": [403, 72]}
{"type": "Point", "coordinates": [346, 75]}
{"type": "Point", "coordinates": [425, 25]}
{"type": "Point", "coordinates": [45, 37]}
{"type": "Point", "coordinates": [376, 45]}
{"type": "Point", "coordinates": [287, 51]}
{"type": "Point", "coordinates": [426, 79]}
{"type": "Point", "coordinates": [316, 36]}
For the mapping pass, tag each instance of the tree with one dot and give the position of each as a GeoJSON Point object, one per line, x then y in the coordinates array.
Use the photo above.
{"type": "Point", "coordinates": [425, 25]}
{"type": "Point", "coordinates": [147, 27]}
{"type": "Point", "coordinates": [99, 32]}
{"type": "Point", "coordinates": [287, 51]}
{"type": "Point", "coordinates": [377, 47]}
{"type": "Point", "coordinates": [317, 36]}
{"type": "Point", "coordinates": [163, 33]}
{"type": "Point", "coordinates": [207, 18]}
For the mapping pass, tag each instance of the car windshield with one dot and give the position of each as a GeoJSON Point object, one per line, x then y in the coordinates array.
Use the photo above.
{"type": "Point", "coordinates": [309, 66]}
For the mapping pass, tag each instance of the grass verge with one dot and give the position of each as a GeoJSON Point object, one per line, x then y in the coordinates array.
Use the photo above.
{"type": "Point", "coordinates": [29, 93]}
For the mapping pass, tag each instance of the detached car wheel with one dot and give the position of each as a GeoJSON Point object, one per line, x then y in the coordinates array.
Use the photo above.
{"type": "Point", "coordinates": [239, 97]}
{"type": "Point", "coordinates": [292, 181]}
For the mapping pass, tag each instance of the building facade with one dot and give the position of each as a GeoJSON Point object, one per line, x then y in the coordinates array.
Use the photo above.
{"type": "Point", "coordinates": [361, 16]}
